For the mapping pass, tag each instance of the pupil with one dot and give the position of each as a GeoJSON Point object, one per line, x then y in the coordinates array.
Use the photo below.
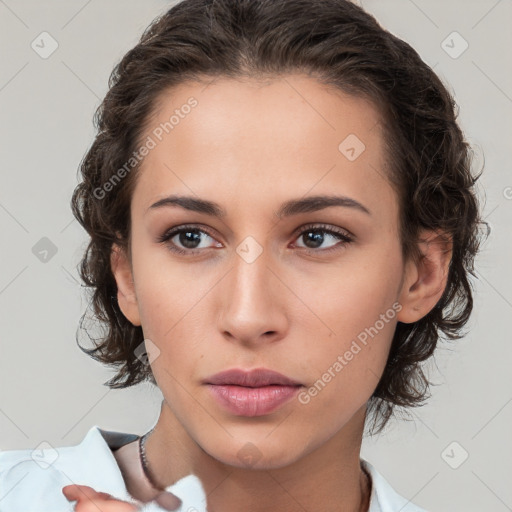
{"type": "Point", "coordinates": [317, 237]}
{"type": "Point", "coordinates": [187, 242]}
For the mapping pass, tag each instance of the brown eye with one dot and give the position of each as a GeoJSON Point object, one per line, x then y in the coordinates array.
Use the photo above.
{"type": "Point", "coordinates": [187, 239]}
{"type": "Point", "coordinates": [316, 236]}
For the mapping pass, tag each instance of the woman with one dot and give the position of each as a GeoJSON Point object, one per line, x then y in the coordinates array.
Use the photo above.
{"type": "Point", "coordinates": [282, 222]}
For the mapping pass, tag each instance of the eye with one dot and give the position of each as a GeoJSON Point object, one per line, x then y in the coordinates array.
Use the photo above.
{"type": "Point", "coordinates": [189, 240]}
{"type": "Point", "coordinates": [317, 234]}
{"type": "Point", "coordinates": [190, 237]}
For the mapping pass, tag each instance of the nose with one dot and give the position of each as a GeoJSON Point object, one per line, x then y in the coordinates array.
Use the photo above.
{"type": "Point", "coordinates": [253, 304]}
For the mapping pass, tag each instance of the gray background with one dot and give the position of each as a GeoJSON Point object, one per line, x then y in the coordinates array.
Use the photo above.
{"type": "Point", "coordinates": [51, 391]}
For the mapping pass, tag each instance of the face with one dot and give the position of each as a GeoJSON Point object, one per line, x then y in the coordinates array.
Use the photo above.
{"type": "Point", "coordinates": [313, 293]}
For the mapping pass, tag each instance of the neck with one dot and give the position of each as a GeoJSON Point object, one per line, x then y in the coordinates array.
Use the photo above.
{"type": "Point", "coordinates": [329, 478]}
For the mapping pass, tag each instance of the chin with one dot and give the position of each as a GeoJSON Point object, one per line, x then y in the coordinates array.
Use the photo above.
{"type": "Point", "coordinates": [258, 454]}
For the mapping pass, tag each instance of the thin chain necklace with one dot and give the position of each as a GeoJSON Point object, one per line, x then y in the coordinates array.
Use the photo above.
{"type": "Point", "coordinates": [144, 462]}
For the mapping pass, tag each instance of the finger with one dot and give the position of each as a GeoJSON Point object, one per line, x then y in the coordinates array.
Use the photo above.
{"type": "Point", "coordinates": [85, 494]}
{"type": "Point", "coordinates": [105, 506]}
{"type": "Point", "coordinates": [168, 501]}
{"type": "Point", "coordinates": [77, 492]}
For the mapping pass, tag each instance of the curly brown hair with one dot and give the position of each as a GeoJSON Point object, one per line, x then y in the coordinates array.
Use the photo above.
{"type": "Point", "coordinates": [340, 45]}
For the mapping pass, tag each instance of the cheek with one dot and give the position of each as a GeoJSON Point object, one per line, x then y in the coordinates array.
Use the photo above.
{"type": "Point", "coordinates": [347, 344]}
{"type": "Point", "coordinates": [169, 298]}
{"type": "Point", "coordinates": [344, 371]}
{"type": "Point", "coordinates": [174, 316]}
{"type": "Point", "coordinates": [344, 302]}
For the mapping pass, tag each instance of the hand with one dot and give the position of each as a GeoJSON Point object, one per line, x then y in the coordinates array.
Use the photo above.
{"type": "Point", "coordinates": [89, 500]}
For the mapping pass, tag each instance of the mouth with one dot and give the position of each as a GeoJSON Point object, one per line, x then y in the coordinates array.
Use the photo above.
{"type": "Point", "coordinates": [257, 378]}
{"type": "Point", "coordinates": [251, 393]}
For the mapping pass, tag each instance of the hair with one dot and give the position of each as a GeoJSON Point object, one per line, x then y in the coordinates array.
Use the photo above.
{"type": "Point", "coordinates": [340, 45]}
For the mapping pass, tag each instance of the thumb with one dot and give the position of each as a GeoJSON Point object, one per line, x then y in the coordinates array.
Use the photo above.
{"type": "Point", "coordinates": [168, 501]}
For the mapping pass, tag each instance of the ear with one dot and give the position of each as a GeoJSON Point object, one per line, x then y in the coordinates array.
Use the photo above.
{"type": "Point", "coordinates": [425, 280]}
{"type": "Point", "coordinates": [121, 268]}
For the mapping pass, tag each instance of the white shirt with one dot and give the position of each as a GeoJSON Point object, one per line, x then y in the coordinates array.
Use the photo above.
{"type": "Point", "coordinates": [32, 481]}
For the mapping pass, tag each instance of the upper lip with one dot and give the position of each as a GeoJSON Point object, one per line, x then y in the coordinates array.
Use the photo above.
{"type": "Point", "coordinates": [252, 378]}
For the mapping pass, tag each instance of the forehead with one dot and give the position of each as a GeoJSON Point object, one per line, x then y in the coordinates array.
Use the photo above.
{"type": "Point", "coordinates": [288, 136]}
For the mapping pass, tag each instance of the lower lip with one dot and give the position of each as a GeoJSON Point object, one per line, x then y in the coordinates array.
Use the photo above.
{"type": "Point", "coordinates": [244, 401]}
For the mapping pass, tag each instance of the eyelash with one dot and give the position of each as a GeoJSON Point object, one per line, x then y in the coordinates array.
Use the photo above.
{"type": "Point", "coordinates": [343, 236]}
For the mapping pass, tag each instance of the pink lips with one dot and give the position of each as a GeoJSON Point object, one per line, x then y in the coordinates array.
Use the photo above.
{"type": "Point", "coordinates": [254, 393]}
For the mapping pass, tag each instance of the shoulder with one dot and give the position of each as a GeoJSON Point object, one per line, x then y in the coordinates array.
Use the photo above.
{"type": "Point", "coordinates": [32, 480]}
{"type": "Point", "coordinates": [384, 498]}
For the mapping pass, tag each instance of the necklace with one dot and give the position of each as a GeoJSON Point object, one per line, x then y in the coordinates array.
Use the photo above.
{"type": "Point", "coordinates": [144, 462]}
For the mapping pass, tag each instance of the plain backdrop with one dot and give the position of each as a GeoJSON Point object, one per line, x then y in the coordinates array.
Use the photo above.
{"type": "Point", "coordinates": [457, 453]}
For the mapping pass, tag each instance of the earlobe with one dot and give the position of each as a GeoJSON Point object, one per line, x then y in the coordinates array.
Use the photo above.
{"type": "Point", "coordinates": [425, 279]}
{"type": "Point", "coordinates": [126, 297]}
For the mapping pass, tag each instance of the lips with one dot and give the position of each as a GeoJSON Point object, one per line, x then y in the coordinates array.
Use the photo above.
{"type": "Point", "coordinates": [251, 393]}
{"type": "Point", "coordinates": [251, 379]}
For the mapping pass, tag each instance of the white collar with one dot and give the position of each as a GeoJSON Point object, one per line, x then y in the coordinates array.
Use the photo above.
{"type": "Point", "coordinates": [98, 445]}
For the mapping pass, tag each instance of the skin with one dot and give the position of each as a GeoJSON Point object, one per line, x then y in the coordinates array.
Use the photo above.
{"type": "Point", "coordinates": [250, 146]}
{"type": "Point", "coordinates": [89, 500]}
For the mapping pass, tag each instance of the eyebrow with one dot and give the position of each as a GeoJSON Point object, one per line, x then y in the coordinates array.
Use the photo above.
{"type": "Point", "coordinates": [287, 209]}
